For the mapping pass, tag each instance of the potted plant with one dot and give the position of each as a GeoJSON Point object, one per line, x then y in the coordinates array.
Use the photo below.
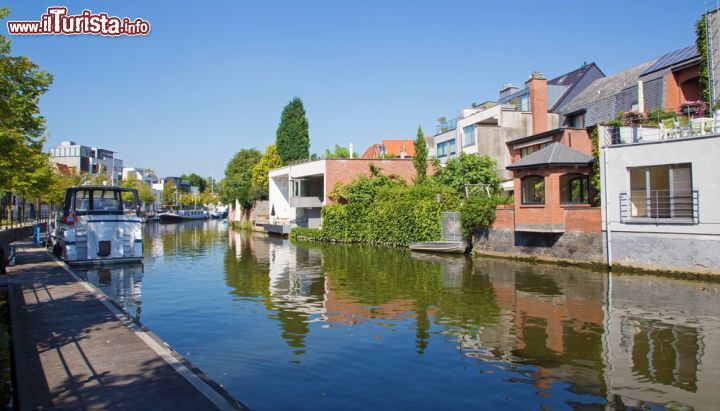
{"type": "Point", "coordinates": [633, 118]}
{"type": "Point", "coordinates": [693, 108]}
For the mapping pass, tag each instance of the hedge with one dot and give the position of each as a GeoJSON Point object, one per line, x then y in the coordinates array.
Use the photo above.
{"type": "Point", "coordinates": [397, 215]}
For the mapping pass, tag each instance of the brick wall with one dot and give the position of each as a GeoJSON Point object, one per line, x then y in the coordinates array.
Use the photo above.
{"type": "Point", "coordinates": [504, 218]}
{"type": "Point", "coordinates": [586, 220]}
{"type": "Point", "coordinates": [344, 171]}
{"type": "Point", "coordinates": [552, 212]}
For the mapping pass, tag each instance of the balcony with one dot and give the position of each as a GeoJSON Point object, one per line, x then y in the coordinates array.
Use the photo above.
{"type": "Point", "coordinates": [659, 207]}
{"type": "Point", "coordinates": [669, 129]}
{"type": "Point", "coordinates": [446, 126]}
{"type": "Point", "coordinates": [306, 202]}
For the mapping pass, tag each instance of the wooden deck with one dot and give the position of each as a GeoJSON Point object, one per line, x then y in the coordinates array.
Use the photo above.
{"type": "Point", "coordinates": [74, 349]}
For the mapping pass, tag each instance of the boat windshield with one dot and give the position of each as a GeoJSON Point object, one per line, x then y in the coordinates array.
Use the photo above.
{"type": "Point", "coordinates": [105, 200]}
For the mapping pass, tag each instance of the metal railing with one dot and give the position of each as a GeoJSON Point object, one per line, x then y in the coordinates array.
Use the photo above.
{"type": "Point", "coordinates": [659, 206]}
{"type": "Point", "coordinates": [667, 129]}
{"type": "Point", "coordinates": [446, 126]}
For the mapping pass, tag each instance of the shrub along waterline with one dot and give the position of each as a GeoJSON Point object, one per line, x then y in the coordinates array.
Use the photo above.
{"type": "Point", "coordinates": [479, 211]}
{"type": "Point", "coordinates": [392, 215]}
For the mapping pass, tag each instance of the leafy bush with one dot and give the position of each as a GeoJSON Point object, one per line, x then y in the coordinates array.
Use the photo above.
{"type": "Point", "coordinates": [468, 169]}
{"type": "Point", "coordinates": [383, 210]}
{"type": "Point", "coordinates": [479, 210]}
{"type": "Point", "coordinates": [363, 189]}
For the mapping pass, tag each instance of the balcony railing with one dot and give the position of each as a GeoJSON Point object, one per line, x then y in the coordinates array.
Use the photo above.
{"type": "Point", "coordinates": [306, 202]}
{"type": "Point", "coordinates": [659, 207]}
{"type": "Point", "coordinates": [669, 129]}
{"type": "Point", "coordinates": [446, 126]}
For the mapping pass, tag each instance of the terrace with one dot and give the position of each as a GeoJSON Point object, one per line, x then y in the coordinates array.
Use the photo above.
{"type": "Point", "coordinates": [667, 129]}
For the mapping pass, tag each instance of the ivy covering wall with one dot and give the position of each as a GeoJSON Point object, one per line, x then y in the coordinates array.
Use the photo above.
{"type": "Point", "coordinates": [382, 210]}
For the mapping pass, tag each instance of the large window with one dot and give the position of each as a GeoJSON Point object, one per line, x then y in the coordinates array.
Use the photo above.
{"type": "Point", "coordinates": [526, 151]}
{"type": "Point", "coordinates": [574, 189]}
{"type": "Point", "coordinates": [446, 148]}
{"type": "Point", "coordinates": [533, 190]}
{"type": "Point", "coordinates": [469, 135]}
{"type": "Point", "coordinates": [662, 191]}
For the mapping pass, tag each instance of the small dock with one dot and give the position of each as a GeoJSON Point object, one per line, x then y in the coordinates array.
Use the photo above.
{"type": "Point", "coordinates": [75, 349]}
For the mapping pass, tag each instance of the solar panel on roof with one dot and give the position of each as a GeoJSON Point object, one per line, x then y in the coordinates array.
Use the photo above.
{"type": "Point", "coordinates": [671, 58]}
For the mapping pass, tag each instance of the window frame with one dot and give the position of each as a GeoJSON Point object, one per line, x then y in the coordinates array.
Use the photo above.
{"type": "Point", "coordinates": [467, 143]}
{"type": "Point", "coordinates": [584, 177]}
{"type": "Point", "coordinates": [522, 190]}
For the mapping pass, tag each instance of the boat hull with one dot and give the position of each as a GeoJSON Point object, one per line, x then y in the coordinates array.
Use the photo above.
{"type": "Point", "coordinates": [444, 247]}
{"type": "Point", "coordinates": [175, 218]}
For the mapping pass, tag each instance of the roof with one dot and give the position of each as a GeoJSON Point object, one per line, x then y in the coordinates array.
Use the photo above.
{"type": "Point", "coordinates": [554, 154]}
{"type": "Point", "coordinates": [536, 136]}
{"type": "Point", "coordinates": [394, 147]}
{"type": "Point", "coordinates": [569, 79]}
{"type": "Point", "coordinates": [673, 58]}
{"type": "Point", "coordinates": [608, 86]}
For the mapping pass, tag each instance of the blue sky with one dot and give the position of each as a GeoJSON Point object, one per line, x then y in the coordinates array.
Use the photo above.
{"type": "Point", "coordinates": [212, 79]}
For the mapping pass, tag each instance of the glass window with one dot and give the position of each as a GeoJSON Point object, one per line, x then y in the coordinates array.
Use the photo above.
{"type": "Point", "coordinates": [469, 135]}
{"type": "Point", "coordinates": [447, 148]}
{"type": "Point", "coordinates": [82, 200]}
{"type": "Point", "coordinates": [577, 121]}
{"type": "Point", "coordinates": [525, 103]}
{"type": "Point", "coordinates": [106, 200]}
{"type": "Point", "coordinates": [524, 152]}
{"type": "Point", "coordinates": [533, 190]}
{"type": "Point", "coordinates": [663, 191]}
{"type": "Point", "coordinates": [574, 188]}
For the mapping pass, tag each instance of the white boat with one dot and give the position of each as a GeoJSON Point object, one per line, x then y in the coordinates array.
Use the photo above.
{"type": "Point", "coordinates": [98, 225]}
{"type": "Point", "coordinates": [445, 246]}
{"type": "Point", "coordinates": [219, 211]}
{"type": "Point", "coordinates": [182, 215]}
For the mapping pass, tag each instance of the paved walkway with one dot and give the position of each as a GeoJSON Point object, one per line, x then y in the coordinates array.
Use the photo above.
{"type": "Point", "coordinates": [73, 349]}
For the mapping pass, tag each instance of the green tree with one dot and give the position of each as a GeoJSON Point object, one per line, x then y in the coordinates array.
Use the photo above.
{"type": "Point", "coordinates": [293, 140]}
{"type": "Point", "coordinates": [237, 183]}
{"type": "Point", "coordinates": [420, 159]}
{"type": "Point", "coordinates": [195, 180]}
{"type": "Point", "coordinates": [168, 192]}
{"type": "Point", "coordinates": [469, 169]}
{"type": "Point", "coordinates": [269, 161]}
{"type": "Point", "coordinates": [21, 126]}
{"type": "Point", "coordinates": [339, 152]}
{"type": "Point", "coordinates": [145, 194]}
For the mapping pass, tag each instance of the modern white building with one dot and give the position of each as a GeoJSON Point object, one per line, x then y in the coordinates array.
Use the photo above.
{"type": "Point", "coordinates": [298, 192]}
{"type": "Point", "coordinates": [88, 160]}
{"type": "Point", "coordinates": [148, 177]}
{"type": "Point", "coordinates": [660, 191]}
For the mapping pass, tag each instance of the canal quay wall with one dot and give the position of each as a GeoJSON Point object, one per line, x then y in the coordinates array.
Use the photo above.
{"type": "Point", "coordinates": [581, 240]}
{"type": "Point", "coordinates": [584, 242]}
{"type": "Point", "coordinates": [73, 348]}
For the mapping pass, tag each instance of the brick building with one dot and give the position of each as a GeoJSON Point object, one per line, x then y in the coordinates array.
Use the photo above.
{"type": "Point", "coordinates": [298, 192]}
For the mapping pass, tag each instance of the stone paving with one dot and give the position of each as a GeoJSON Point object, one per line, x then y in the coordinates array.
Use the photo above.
{"type": "Point", "coordinates": [73, 351]}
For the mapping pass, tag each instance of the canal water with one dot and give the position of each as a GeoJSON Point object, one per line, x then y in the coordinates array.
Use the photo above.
{"type": "Point", "coordinates": [286, 325]}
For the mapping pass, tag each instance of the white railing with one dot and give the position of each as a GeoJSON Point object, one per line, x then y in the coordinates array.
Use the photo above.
{"type": "Point", "coordinates": [668, 129]}
{"type": "Point", "coordinates": [659, 206]}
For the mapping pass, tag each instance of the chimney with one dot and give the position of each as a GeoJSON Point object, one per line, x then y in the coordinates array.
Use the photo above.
{"type": "Point", "coordinates": [538, 101]}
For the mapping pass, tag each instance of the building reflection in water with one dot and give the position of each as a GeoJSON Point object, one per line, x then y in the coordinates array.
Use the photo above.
{"type": "Point", "coordinates": [633, 340]}
{"type": "Point", "coordinates": [621, 340]}
{"type": "Point", "coordinates": [662, 342]}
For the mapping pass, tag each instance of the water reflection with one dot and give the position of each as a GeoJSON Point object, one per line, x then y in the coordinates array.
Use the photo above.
{"type": "Point", "coordinates": [471, 333]}
{"type": "Point", "coordinates": [122, 284]}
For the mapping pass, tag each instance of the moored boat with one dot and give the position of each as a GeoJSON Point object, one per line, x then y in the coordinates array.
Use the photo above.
{"type": "Point", "coordinates": [98, 225]}
{"type": "Point", "coordinates": [447, 247]}
{"type": "Point", "coordinates": [182, 215]}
